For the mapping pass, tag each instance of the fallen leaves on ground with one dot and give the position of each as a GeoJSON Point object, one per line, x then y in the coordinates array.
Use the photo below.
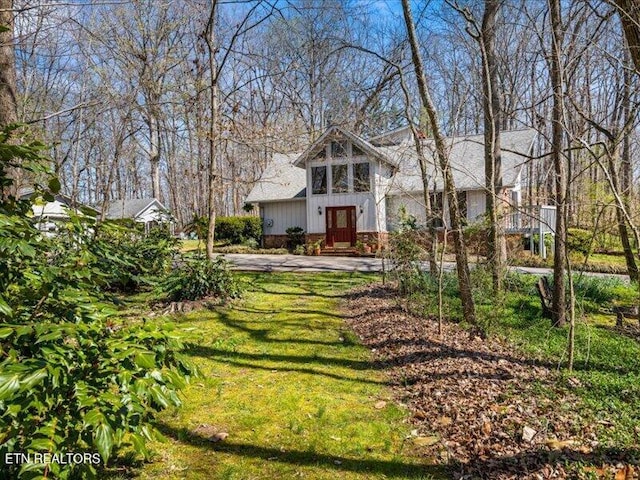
{"type": "Point", "coordinates": [476, 403]}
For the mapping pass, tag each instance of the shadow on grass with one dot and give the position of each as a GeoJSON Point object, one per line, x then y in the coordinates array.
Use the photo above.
{"type": "Point", "coordinates": [210, 352]}
{"type": "Point", "coordinates": [338, 464]}
{"type": "Point", "coordinates": [308, 371]}
{"type": "Point", "coordinates": [263, 334]}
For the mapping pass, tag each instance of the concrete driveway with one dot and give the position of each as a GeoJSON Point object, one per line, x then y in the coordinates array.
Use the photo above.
{"type": "Point", "coordinates": [303, 263]}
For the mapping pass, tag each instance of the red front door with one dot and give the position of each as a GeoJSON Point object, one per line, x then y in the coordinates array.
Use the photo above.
{"type": "Point", "coordinates": [341, 226]}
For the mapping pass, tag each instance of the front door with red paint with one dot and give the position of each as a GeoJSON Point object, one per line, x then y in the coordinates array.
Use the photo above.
{"type": "Point", "coordinates": [341, 226]}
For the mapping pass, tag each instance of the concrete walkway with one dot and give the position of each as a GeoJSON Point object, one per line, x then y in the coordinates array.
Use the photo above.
{"type": "Point", "coordinates": [303, 263]}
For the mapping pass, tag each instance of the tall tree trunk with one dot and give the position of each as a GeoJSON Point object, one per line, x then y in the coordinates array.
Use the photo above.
{"type": "Point", "coordinates": [154, 152]}
{"type": "Point", "coordinates": [496, 246]}
{"type": "Point", "coordinates": [462, 264]}
{"type": "Point", "coordinates": [210, 37]}
{"type": "Point", "coordinates": [557, 83]}
{"type": "Point", "coordinates": [422, 163]}
{"type": "Point", "coordinates": [629, 12]}
{"type": "Point", "coordinates": [8, 102]}
{"type": "Point", "coordinates": [626, 177]}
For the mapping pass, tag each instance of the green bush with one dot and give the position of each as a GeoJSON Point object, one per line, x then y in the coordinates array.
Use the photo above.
{"type": "Point", "coordinates": [237, 230]}
{"type": "Point", "coordinates": [199, 278]}
{"type": "Point", "coordinates": [73, 378]}
{"type": "Point", "coordinates": [405, 256]}
{"type": "Point", "coordinates": [579, 240]}
{"type": "Point", "coordinates": [295, 237]}
{"type": "Point", "coordinates": [130, 259]}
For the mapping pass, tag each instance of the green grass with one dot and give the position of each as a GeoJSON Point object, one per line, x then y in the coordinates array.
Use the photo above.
{"type": "Point", "coordinates": [292, 388]}
{"type": "Point", "coordinates": [597, 262]}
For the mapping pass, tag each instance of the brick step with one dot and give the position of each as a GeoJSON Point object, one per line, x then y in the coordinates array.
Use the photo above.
{"type": "Point", "coordinates": [339, 252]}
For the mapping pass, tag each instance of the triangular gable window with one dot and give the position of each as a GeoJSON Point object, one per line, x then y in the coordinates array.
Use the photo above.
{"type": "Point", "coordinates": [338, 149]}
{"type": "Point", "coordinates": [356, 151]}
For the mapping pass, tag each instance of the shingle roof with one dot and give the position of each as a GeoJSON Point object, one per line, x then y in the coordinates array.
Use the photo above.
{"type": "Point", "coordinates": [127, 208]}
{"type": "Point", "coordinates": [281, 180]}
{"type": "Point", "coordinates": [466, 157]}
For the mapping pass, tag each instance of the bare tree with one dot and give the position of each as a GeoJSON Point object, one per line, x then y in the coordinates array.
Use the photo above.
{"type": "Point", "coordinates": [560, 180]}
{"type": "Point", "coordinates": [210, 39]}
{"type": "Point", "coordinates": [485, 35]}
{"type": "Point", "coordinates": [462, 263]}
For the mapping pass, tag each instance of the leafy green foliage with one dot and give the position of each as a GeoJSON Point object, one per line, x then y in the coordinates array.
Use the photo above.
{"type": "Point", "coordinates": [73, 378]}
{"type": "Point", "coordinates": [295, 237]}
{"type": "Point", "coordinates": [406, 250]}
{"type": "Point", "coordinates": [237, 230]}
{"type": "Point", "coordinates": [130, 259]}
{"type": "Point", "coordinates": [579, 240]}
{"type": "Point", "coordinates": [199, 278]}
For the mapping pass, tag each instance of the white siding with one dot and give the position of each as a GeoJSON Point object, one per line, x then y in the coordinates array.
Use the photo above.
{"type": "Point", "coordinates": [366, 221]}
{"type": "Point", "coordinates": [476, 205]}
{"type": "Point", "coordinates": [414, 205]}
{"type": "Point", "coordinates": [278, 216]}
{"type": "Point", "coordinates": [373, 215]}
{"type": "Point", "coordinates": [153, 213]}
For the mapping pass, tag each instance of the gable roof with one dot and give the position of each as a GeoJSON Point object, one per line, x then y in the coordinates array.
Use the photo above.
{"type": "Point", "coordinates": [466, 157]}
{"type": "Point", "coordinates": [60, 206]}
{"type": "Point", "coordinates": [130, 208]}
{"type": "Point", "coordinates": [281, 180]}
{"type": "Point", "coordinates": [336, 133]}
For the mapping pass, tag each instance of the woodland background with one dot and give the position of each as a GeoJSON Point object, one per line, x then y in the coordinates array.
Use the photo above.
{"type": "Point", "coordinates": [121, 89]}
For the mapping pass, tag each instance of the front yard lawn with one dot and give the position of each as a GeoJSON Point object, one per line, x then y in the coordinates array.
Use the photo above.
{"type": "Point", "coordinates": [294, 390]}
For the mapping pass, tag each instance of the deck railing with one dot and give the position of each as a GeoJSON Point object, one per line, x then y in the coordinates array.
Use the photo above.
{"type": "Point", "coordinates": [535, 220]}
{"type": "Point", "coordinates": [532, 219]}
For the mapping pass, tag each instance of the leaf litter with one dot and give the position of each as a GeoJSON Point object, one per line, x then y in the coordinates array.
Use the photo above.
{"type": "Point", "coordinates": [480, 406]}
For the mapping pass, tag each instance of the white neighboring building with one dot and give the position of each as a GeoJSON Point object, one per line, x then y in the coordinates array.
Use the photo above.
{"type": "Point", "coordinates": [49, 215]}
{"type": "Point", "coordinates": [148, 211]}
{"type": "Point", "coordinates": [343, 188]}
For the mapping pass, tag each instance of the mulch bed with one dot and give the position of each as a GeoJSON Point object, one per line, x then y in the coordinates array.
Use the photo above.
{"type": "Point", "coordinates": [476, 402]}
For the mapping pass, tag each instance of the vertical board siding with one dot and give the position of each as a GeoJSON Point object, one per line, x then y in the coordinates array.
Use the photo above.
{"type": "Point", "coordinates": [373, 215]}
{"type": "Point", "coordinates": [283, 215]}
{"type": "Point", "coordinates": [414, 205]}
{"type": "Point", "coordinates": [476, 205]}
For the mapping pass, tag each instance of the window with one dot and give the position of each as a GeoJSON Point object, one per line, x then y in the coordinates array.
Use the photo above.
{"type": "Point", "coordinates": [356, 152]}
{"type": "Point", "coordinates": [318, 180]}
{"type": "Point", "coordinates": [462, 204]}
{"type": "Point", "coordinates": [339, 178]}
{"type": "Point", "coordinates": [322, 154]}
{"type": "Point", "coordinates": [338, 149]}
{"type": "Point", "coordinates": [361, 181]}
{"type": "Point", "coordinates": [437, 203]}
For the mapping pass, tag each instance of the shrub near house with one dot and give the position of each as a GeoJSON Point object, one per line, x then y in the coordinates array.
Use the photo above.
{"type": "Point", "coordinates": [237, 230]}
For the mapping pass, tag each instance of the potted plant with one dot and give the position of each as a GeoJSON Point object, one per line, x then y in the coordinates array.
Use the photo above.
{"type": "Point", "coordinates": [360, 246]}
{"type": "Point", "coordinates": [367, 249]}
{"type": "Point", "coordinates": [317, 247]}
{"type": "Point", "coordinates": [374, 246]}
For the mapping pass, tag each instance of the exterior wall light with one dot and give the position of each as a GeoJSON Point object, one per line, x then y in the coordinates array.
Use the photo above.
{"type": "Point", "coordinates": [361, 209]}
{"type": "Point", "coordinates": [319, 210]}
